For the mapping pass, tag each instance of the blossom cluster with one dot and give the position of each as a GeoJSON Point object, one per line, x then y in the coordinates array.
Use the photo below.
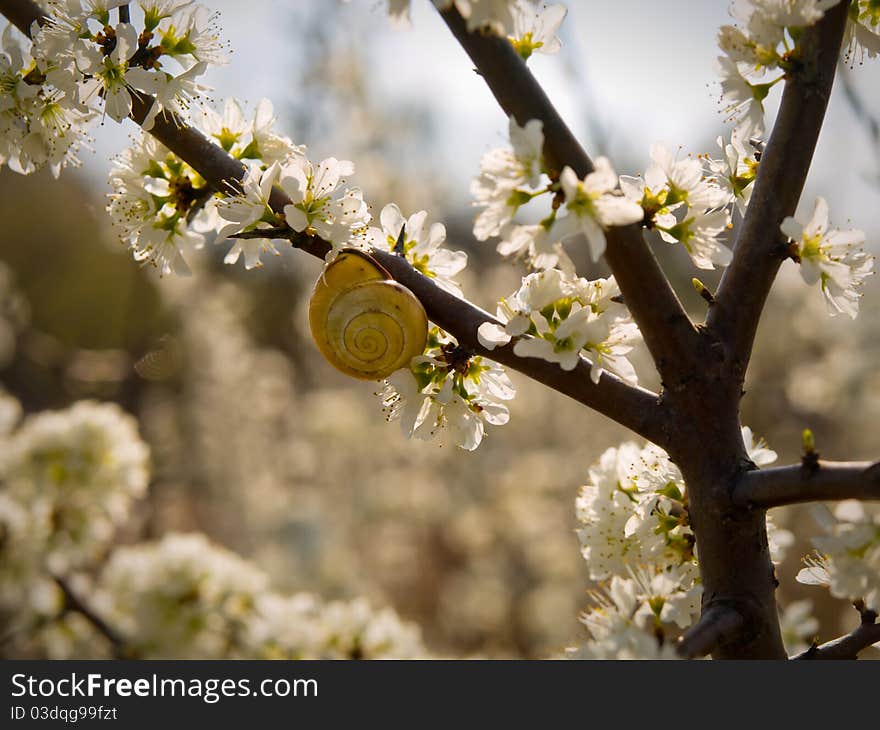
{"type": "Point", "coordinates": [70, 479]}
{"type": "Point", "coordinates": [319, 204]}
{"type": "Point", "coordinates": [40, 125]}
{"type": "Point", "coordinates": [448, 393]}
{"type": "Point", "coordinates": [162, 208]}
{"type": "Point", "coordinates": [81, 63]}
{"type": "Point", "coordinates": [421, 244]}
{"type": "Point", "coordinates": [511, 177]}
{"type": "Point", "coordinates": [184, 597]}
{"type": "Point", "coordinates": [764, 43]}
{"type": "Point", "coordinates": [637, 540]}
{"type": "Point", "coordinates": [847, 560]}
{"type": "Point", "coordinates": [558, 316]}
{"type": "Point", "coordinates": [76, 474]}
{"type": "Point", "coordinates": [763, 47]}
{"type": "Point", "coordinates": [683, 204]}
{"type": "Point", "coordinates": [686, 200]}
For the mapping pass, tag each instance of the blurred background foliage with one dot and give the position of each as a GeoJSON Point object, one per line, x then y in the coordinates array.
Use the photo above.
{"type": "Point", "coordinates": [262, 446]}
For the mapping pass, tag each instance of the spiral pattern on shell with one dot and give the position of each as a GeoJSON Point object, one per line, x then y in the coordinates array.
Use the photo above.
{"type": "Point", "coordinates": [363, 322]}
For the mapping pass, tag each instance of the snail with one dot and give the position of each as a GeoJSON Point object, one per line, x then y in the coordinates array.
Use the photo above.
{"type": "Point", "coordinates": [365, 323]}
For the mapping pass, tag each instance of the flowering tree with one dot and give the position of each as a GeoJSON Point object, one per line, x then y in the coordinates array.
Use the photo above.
{"type": "Point", "coordinates": [676, 530]}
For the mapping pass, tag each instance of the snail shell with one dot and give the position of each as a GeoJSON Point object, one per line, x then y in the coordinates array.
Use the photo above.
{"type": "Point", "coordinates": [365, 324]}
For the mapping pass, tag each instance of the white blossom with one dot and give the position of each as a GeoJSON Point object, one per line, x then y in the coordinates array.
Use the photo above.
{"type": "Point", "coordinates": [154, 197]}
{"type": "Point", "coordinates": [849, 553]}
{"type": "Point", "coordinates": [628, 616]}
{"type": "Point", "coordinates": [757, 449]}
{"type": "Point", "coordinates": [699, 233]}
{"type": "Point", "coordinates": [684, 205]}
{"type": "Point", "coordinates": [81, 469]}
{"type": "Point", "coordinates": [40, 124]}
{"type": "Point", "coordinates": [422, 246]}
{"type": "Point", "coordinates": [196, 34]}
{"type": "Point", "coordinates": [632, 511]}
{"type": "Point", "coordinates": [564, 319]}
{"type": "Point", "coordinates": [761, 43]}
{"type": "Point", "coordinates": [592, 206]}
{"type": "Point", "coordinates": [85, 57]}
{"type": "Point", "coordinates": [508, 178]}
{"type": "Point", "coordinates": [176, 94]}
{"type": "Point", "coordinates": [355, 630]}
{"type": "Point", "coordinates": [319, 203]}
{"type": "Point", "coordinates": [448, 394]}
{"type": "Point", "coordinates": [535, 26]}
{"type": "Point", "coordinates": [798, 626]}
{"type": "Point", "coordinates": [862, 35]}
{"type": "Point", "coordinates": [181, 597]}
{"type": "Point", "coordinates": [735, 172]}
{"type": "Point", "coordinates": [113, 76]}
{"type": "Point", "coordinates": [248, 212]}
{"type": "Point", "coordinates": [534, 244]}
{"type": "Point", "coordinates": [300, 626]}
{"type": "Point", "coordinates": [834, 258]}
{"type": "Point", "coordinates": [488, 15]}
{"type": "Point", "coordinates": [743, 100]}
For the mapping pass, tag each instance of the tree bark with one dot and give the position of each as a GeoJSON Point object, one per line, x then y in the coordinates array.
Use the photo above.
{"type": "Point", "coordinates": [732, 546]}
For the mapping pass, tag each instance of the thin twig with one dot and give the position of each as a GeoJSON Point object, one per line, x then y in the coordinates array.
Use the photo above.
{"type": "Point", "coordinates": [849, 646]}
{"type": "Point", "coordinates": [825, 481]}
{"type": "Point", "coordinates": [277, 232]}
{"type": "Point", "coordinates": [74, 603]}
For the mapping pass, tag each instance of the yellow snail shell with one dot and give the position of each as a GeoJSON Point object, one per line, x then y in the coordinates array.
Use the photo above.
{"type": "Point", "coordinates": [365, 324]}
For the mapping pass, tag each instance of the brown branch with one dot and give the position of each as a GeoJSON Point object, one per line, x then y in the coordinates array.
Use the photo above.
{"type": "Point", "coordinates": [849, 646]}
{"type": "Point", "coordinates": [668, 333]}
{"type": "Point", "coordinates": [718, 624]}
{"type": "Point", "coordinates": [823, 481]}
{"type": "Point", "coordinates": [635, 408]}
{"type": "Point", "coordinates": [72, 602]}
{"type": "Point", "coordinates": [760, 246]}
{"type": "Point", "coordinates": [631, 406]}
{"type": "Point", "coordinates": [22, 14]}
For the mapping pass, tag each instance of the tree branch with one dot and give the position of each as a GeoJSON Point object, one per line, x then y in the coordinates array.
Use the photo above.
{"type": "Point", "coordinates": [760, 246]}
{"type": "Point", "coordinates": [22, 13]}
{"type": "Point", "coordinates": [668, 333]}
{"type": "Point", "coordinates": [718, 624]}
{"type": "Point", "coordinates": [636, 408]}
{"type": "Point", "coordinates": [74, 603]}
{"type": "Point", "coordinates": [849, 646]}
{"type": "Point", "coordinates": [817, 482]}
